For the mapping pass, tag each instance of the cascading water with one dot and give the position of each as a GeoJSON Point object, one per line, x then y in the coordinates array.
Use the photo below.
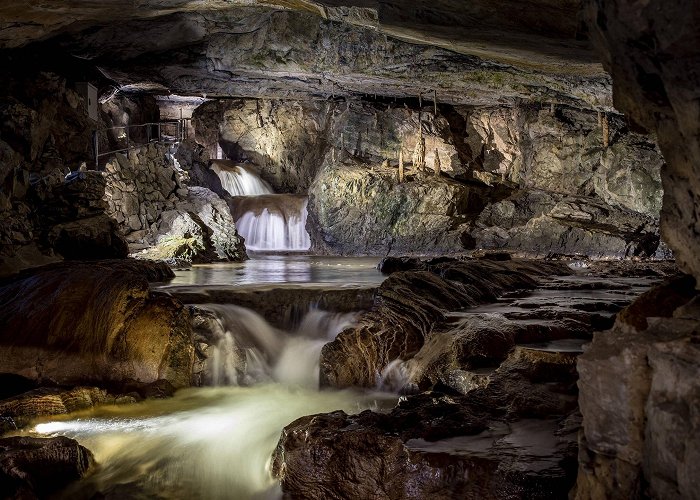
{"type": "Point", "coordinates": [215, 443]}
{"type": "Point", "coordinates": [273, 222]}
{"type": "Point", "coordinates": [248, 350]}
{"type": "Point", "coordinates": [269, 222]}
{"type": "Point", "coordinates": [240, 180]}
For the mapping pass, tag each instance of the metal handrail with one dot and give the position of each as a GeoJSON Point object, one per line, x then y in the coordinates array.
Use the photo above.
{"type": "Point", "coordinates": [181, 134]}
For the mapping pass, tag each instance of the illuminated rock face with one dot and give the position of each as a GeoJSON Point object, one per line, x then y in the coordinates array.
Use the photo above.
{"type": "Point", "coordinates": [94, 322]}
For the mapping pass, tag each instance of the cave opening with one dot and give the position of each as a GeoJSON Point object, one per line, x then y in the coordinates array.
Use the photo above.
{"type": "Point", "coordinates": [349, 249]}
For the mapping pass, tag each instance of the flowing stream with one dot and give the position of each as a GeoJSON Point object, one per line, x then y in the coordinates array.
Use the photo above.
{"type": "Point", "coordinates": [217, 442]}
{"type": "Point", "coordinates": [269, 222]}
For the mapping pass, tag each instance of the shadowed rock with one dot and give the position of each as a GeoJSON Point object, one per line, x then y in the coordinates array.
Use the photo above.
{"type": "Point", "coordinates": [34, 468]}
{"type": "Point", "coordinates": [73, 323]}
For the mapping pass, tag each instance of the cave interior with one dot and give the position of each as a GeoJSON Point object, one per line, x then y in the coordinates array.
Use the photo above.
{"type": "Point", "coordinates": [350, 249]}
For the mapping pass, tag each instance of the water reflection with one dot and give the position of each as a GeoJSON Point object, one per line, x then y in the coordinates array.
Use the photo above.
{"type": "Point", "coordinates": [284, 269]}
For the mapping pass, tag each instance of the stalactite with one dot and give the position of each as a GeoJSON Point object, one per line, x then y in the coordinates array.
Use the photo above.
{"type": "Point", "coordinates": [606, 132]}
{"type": "Point", "coordinates": [437, 163]}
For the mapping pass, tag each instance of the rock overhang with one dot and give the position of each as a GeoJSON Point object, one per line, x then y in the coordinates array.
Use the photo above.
{"type": "Point", "coordinates": [474, 54]}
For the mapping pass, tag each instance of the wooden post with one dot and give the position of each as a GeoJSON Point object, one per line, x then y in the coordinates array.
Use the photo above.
{"type": "Point", "coordinates": [437, 163]}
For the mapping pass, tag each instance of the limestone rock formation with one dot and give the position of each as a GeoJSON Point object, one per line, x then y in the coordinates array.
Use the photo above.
{"type": "Point", "coordinates": [656, 84]}
{"type": "Point", "coordinates": [200, 230]}
{"type": "Point", "coordinates": [94, 323]}
{"type": "Point", "coordinates": [289, 140]}
{"type": "Point", "coordinates": [428, 446]}
{"type": "Point", "coordinates": [162, 211]}
{"type": "Point", "coordinates": [407, 307]}
{"type": "Point", "coordinates": [542, 223]}
{"type": "Point", "coordinates": [562, 151]}
{"type": "Point", "coordinates": [356, 211]}
{"type": "Point", "coordinates": [17, 411]}
{"type": "Point", "coordinates": [46, 133]}
{"type": "Point", "coordinates": [35, 468]}
{"type": "Point", "coordinates": [76, 219]}
{"type": "Point", "coordinates": [327, 49]}
{"type": "Point", "coordinates": [638, 432]}
{"type": "Point", "coordinates": [140, 186]}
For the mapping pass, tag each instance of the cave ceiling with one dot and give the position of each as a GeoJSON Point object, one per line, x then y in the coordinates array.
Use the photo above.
{"type": "Point", "coordinates": [478, 52]}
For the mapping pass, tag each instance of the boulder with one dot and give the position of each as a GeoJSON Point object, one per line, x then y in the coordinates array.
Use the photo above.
{"type": "Point", "coordinates": [33, 468]}
{"type": "Point", "coordinates": [201, 229]}
{"type": "Point", "coordinates": [94, 323]}
{"type": "Point", "coordinates": [640, 432]}
{"type": "Point", "coordinates": [429, 446]}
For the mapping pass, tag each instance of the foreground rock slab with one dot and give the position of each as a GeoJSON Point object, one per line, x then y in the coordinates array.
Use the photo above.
{"type": "Point", "coordinates": [34, 468]}
{"type": "Point", "coordinates": [429, 446]}
{"type": "Point", "coordinates": [94, 323]}
{"type": "Point", "coordinates": [640, 433]}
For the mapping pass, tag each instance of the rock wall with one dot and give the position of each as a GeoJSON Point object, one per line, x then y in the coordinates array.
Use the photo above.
{"type": "Point", "coordinates": [44, 133]}
{"type": "Point", "coordinates": [640, 433]}
{"type": "Point", "coordinates": [162, 211]}
{"type": "Point", "coordinates": [651, 50]}
{"type": "Point", "coordinates": [530, 178]}
{"type": "Point", "coordinates": [355, 210]}
{"type": "Point", "coordinates": [561, 149]}
{"type": "Point", "coordinates": [290, 140]}
{"type": "Point", "coordinates": [141, 185]}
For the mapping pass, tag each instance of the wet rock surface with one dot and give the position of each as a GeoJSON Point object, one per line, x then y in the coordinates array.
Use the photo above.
{"type": "Point", "coordinates": [639, 434]}
{"type": "Point", "coordinates": [94, 322]}
{"type": "Point", "coordinates": [491, 404]}
{"type": "Point", "coordinates": [35, 468]}
{"type": "Point", "coordinates": [429, 446]}
{"type": "Point", "coordinates": [17, 411]}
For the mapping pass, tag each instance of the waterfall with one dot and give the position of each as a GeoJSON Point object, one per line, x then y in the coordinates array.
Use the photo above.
{"type": "Point", "coordinates": [274, 222]}
{"type": "Point", "coordinates": [269, 222]}
{"type": "Point", "coordinates": [248, 350]}
{"type": "Point", "coordinates": [240, 180]}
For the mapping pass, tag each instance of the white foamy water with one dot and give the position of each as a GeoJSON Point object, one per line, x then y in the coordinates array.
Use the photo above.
{"type": "Point", "coordinates": [249, 350]}
{"type": "Point", "coordinates": [273, 222]}
{"type": "Point", "coordinates": [217, 442]}
{"type": "Point", "coordinates": [240, 180]}
{"type": "Point", "coordinates": [213, 443]}
{"type": "Point", "coordinates": [269, 222]}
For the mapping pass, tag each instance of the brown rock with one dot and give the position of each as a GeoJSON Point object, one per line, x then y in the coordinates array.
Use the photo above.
{"type": "Point", "coordinates": [34, 468]}
{"type": "Point", "coordinates": [76, 323]}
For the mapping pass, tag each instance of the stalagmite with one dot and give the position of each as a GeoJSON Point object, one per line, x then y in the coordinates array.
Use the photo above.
{"type": "Point", "coordinates": [437, 163]}
{"type": "Point", "coordinates": [419, 151]}
{"type": "Point", "coordinates": [419, 155]}
{"type": "Point", "coordinates": [606, 132]}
